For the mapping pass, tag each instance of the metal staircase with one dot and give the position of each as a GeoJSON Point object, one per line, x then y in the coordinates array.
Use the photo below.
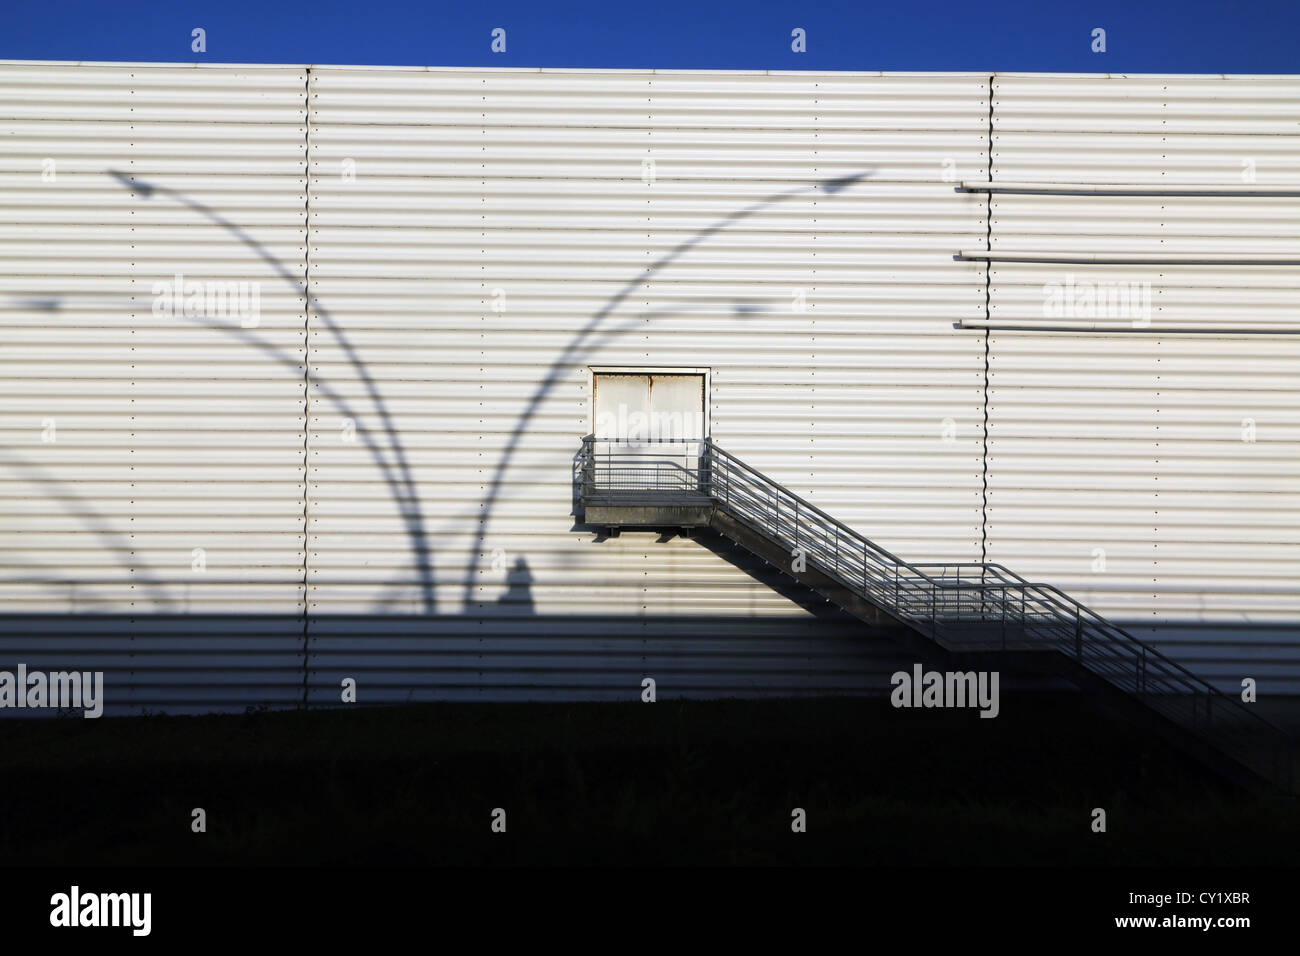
{"type": "Point", "coordinates": [962, 608]}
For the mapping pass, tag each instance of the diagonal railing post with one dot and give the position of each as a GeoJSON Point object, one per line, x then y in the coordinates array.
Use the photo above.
{"type": "Point", "coordinates": [1003, 591]}
{"type": "Point", "coordinates": [726, 481]}
{"type": "Point", "coordinates": [934, 609]}
{"type": "Point", "coordinates": [796, 525]}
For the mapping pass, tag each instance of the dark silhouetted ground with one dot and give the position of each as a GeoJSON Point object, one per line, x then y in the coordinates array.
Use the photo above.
{"type": "Point", "coordinates": [670, 782]}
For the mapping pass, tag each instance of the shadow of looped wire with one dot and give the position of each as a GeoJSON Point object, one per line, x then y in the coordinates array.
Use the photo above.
{"type": "Point", "coordinates": [97, 523]}
{"type": "Point", "coordinates": [251, 338]}
{"type": "Point", "coordinates": [571, 351]}
{"type": "Point", "coordinates": [402, 486]}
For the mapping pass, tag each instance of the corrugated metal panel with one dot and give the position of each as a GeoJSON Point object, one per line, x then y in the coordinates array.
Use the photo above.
{"type": "Point", "coordinates": [506, 231]}
{"type": "Point", "coordinates": [1176, 453]}
{"type": "Point", "coordinates": [131, 438]}
{"type": "Point", "coordinates": [477, 240]}
{"type": "Point", "coordinates": [1147, 130]}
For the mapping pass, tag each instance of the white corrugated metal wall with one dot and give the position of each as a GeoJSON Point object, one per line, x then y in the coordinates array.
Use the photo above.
{"type": "Point", "coordinates": [1154, 476]}
{"type": "Point", "coordinates": [476, 240]}
{"type": "Point", "coordinates": [131, 439]}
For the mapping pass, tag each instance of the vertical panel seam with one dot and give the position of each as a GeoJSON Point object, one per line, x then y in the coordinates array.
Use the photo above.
{"type": "Point", "coordinates": [988, 272]}
{"type": "Point", "coordinates": [306, 382]}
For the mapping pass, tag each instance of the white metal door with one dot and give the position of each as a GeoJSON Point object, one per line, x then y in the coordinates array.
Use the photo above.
{"type": "Point", "coordinates": [648, 428]}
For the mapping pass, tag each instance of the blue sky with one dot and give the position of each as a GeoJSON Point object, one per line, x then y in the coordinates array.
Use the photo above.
{"type": "Point", "coordinates": [1191, 36]}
